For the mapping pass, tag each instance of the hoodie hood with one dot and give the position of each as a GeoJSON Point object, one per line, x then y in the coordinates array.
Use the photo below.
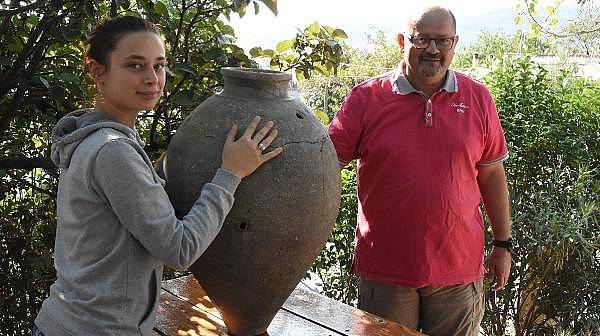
{"type": "Point", "coordinates": [71, 129]}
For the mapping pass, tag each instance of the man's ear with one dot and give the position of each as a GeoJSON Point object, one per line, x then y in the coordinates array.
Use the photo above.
{"type": "Point", "coordinates": [400, 40]}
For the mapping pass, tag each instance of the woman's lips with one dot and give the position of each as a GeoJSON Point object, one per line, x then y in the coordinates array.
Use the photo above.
{"type": "Point", "coordinates": [149, 94]}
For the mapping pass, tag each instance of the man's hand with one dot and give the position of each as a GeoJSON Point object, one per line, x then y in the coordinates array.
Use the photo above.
{"type": "Point", "coordinates": [498, 267]}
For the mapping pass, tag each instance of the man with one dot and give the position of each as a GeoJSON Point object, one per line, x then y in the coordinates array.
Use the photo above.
{"type": "Point", "coordinates": [430, 147]}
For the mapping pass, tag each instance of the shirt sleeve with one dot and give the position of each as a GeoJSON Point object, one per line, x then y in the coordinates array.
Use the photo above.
{"type": "Point", "coordinates": [495, 149]}
{"type": "Point", "coordinates": [142, 206]}
{"type": "Point", "coordinates": [346, 128]}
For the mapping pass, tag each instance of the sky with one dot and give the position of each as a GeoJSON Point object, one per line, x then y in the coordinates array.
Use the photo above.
{"type": "Point", "coordinates": [357, 18]}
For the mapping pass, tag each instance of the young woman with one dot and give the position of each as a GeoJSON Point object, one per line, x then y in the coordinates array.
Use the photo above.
{"type": "Point", "coordinates": [116, 226]}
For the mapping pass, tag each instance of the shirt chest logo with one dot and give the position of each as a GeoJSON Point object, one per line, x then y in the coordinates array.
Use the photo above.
{"type": "Point", "coordinates": [460, 108]}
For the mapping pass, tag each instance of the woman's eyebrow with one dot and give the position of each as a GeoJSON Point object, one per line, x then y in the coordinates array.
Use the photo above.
{"type": "Point", "coordinates": [140, 57]}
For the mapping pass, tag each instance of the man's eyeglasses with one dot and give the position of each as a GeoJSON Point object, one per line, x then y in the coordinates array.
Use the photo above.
{"type": "Point", "coordinates": [442, 43]}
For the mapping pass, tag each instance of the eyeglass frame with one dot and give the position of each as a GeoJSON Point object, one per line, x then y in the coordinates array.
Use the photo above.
{"type": "Point", "coordinates": [437, 45]}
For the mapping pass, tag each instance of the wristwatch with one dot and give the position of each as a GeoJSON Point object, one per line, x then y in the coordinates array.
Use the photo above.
{"type": "Point", "coordinates": [507, 244]}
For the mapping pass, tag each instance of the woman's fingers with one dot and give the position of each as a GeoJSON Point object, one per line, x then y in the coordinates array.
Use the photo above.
{"type": "Point", "coordinates": [266, 142]}
{"type": "Point", "coordinates": [268, 156]}
{"type": "Point", "coordinates": [249, 132]}
{"type": "Point", "coordinates": [231, 135]}
{"type": "Point", "coordinates": [260, 135]}
{"type": "Point", "coordinates": [244, 155]}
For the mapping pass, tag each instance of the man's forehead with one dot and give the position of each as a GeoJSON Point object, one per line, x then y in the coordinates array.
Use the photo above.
{"type": "Point", "coordinates": [432, 19]}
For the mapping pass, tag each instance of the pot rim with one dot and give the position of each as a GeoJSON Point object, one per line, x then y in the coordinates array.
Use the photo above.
{"type": "Point", "coordinates": [255, 74]}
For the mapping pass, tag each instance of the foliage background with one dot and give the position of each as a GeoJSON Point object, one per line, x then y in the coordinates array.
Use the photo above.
{"type": "Point", "coordinates": [551, 120]}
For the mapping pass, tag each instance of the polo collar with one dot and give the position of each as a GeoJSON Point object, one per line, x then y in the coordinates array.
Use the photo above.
{"type": "Point", "coordinates": [401, 85]}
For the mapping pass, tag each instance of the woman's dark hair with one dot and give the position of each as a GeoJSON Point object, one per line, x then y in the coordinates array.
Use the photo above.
{"type": "Point", "coordinates": [103, 39]}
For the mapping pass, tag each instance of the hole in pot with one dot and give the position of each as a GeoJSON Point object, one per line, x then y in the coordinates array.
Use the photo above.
{"type": "Point", "coordinates": [300, 116]}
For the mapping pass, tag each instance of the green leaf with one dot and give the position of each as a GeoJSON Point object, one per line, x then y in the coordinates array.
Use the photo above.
{"type": "Point", "coordinates": [256, 52]}
{"type": "Point", "coordinates": [518, 20]}
{"type": "Point", "coordinates": [242, 10]}
{"type": "Point", "coordinates": [184, 68]}
{"type": "Point", "coordinates": [284, 45]}
{"type": "Point", "coordinates": [161, 9]}
{"type": "Point", "coordinates": [214, 53]}
{"type": "Point", "coordinates": [531, 7]}
{"type": "Point", "coordinates": [255, 8]}
{"type": "Point", "coordinates": [322, 116]}
{"type": "Point", "coordinates": [228, 30]}
{"type": "Point", "coordinates": [300, 76]}
{"type": "Point", "coordinates": [268, 52]}
{"type": "Point", "coordinates": [45, 82]}
{"type": "Point", "coordinates": [183, 98]}
{"type": "Point", "coordinates": [37, 141]}
{"type": "Point", "coordinates": [314, 28]}
{"type": "Point", "coordinates": [339, 33]}
{"type": "Point", "coordinates": [15, 45]}
{"type": "Point", "coordinates": [146, 4]}
{"type": "Point", "coordinates": [271, 4]}
{"type": "Point", "coordinates": [69, 77]}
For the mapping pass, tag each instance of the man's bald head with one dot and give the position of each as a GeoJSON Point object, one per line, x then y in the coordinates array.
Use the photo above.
{"type": "Point", "coordinates": [428, 14]}
{"type": "Point", "coordinates": [428, 43]}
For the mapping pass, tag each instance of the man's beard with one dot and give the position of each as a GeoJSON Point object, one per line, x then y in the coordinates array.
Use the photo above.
{"type": "Point", "coordinates": [430, 69]}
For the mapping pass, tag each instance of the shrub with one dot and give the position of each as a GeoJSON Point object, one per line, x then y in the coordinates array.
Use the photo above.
{"type": "Point", "coordinates": [552, 124]}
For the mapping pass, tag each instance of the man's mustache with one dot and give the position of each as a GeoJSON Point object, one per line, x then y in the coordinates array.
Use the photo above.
{"type": "Point", "coordinates": [427, 55]}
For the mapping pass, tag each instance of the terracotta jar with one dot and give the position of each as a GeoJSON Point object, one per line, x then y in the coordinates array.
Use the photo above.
{"type": "Point", "coordinates": [283, 212]}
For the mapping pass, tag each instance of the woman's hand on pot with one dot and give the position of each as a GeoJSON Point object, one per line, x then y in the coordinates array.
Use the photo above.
{"type": "Point", "coordinates": [243, 156]}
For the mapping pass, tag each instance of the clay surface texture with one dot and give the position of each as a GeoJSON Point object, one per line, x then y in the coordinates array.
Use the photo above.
{"type": "Point", "coordinates": [283, 212]}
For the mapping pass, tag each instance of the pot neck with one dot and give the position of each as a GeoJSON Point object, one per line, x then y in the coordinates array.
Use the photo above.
{"type": "Point", "coordinates": [255, 83]}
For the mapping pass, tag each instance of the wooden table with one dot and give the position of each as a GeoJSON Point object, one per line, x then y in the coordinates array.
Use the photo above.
{"type": "Point", "coordinates": [186, 310]}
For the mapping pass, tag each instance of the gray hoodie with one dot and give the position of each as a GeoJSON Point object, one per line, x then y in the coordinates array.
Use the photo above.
{"type": "Point", "coordinates": [116, 228]}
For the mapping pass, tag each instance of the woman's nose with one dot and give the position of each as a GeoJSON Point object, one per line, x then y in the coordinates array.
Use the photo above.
{"type": "Point", "coordinates": [150, 76]}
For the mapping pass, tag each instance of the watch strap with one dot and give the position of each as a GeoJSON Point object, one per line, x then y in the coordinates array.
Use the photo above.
{"type": "Point", "coordinates": [507, 244]}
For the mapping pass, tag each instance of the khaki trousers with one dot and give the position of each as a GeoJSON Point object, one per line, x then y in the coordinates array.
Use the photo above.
{"type": "Point", "coordinates": [438, 311]}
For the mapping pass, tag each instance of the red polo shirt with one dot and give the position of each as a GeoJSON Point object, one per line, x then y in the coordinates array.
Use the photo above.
{"type": "Point", "coordinates": [419, 222]}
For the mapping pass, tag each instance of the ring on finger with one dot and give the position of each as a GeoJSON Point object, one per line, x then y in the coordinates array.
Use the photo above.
{"type": "Point", "coordinates": [261, 147]}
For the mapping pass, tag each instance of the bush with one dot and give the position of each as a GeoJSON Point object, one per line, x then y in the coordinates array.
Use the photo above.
{"type": "Point", "coordinates": [552, 124]}
{"type": "Point", "coordinates": [333, 265]}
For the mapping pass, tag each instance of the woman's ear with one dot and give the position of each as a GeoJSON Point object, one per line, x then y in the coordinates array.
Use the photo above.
{"type": "Point", "coordinates": [94, 68]}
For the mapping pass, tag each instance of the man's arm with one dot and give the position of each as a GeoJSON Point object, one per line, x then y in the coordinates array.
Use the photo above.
{"type": "Point", "coordinates": [494, 191]}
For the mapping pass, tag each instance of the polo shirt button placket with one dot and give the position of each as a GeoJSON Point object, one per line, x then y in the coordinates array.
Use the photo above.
{"type": "Point", "coordinates": [429, 113]}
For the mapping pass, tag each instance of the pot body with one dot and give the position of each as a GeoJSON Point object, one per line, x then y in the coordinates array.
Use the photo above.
{"type": "Point", "coordinates": [283, 213]}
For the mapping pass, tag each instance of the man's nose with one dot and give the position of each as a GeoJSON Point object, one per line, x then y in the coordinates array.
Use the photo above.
{"type": "Point", "coordinates": [432, 47]}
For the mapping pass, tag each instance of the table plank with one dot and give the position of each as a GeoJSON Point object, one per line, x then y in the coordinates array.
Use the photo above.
{"type": "Point", "coordinates": [303, 313]}
{"type": "Point", "coordinates": [180, 317]}
{"type": "Point", "coordinates": [186, 310]}
{"type": "Point", "coordinates": [342, 317]}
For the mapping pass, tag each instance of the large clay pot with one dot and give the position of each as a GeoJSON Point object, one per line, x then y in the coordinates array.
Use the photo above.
{"type": "Point", "coordinates": [283, 212]}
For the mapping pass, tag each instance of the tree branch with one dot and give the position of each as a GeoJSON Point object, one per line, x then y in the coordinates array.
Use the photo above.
{"type": "Point", "coordinates": [26, 163]}
{"type": "Point", "coordinates": [548, 31]}
{"type": "Point", "coordinates": [22, 9]}
{"type": "Point", "coordinates": [10, 112]}
{"type": "Point", "coordinates": [21, 180]}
